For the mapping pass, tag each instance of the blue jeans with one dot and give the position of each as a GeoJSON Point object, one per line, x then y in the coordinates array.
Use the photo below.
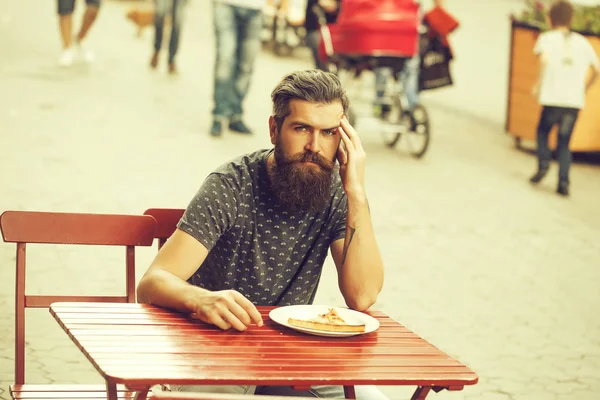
{"type": "Point", "coordinates": [566, 119]}
{"type": "Point", "coordinates": [66, 7]}
{"type": "Point", "coordinates": [237, 31]}
{"type": "Point", "coordinates": [362, 392]}
{"type": "Point", "coordinates": [162, 8]}
{"type": "Point", "coordinates": [409, 76]}
{"type": "Point", "coordinates": [313, 38]}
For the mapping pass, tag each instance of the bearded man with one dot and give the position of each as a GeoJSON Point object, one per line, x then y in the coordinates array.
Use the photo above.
{"type": "Point", "coordinates": [258, 230]}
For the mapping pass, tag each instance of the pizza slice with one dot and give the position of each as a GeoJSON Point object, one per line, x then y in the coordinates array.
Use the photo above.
{"type": "Point", "coordinates": [330, 321]}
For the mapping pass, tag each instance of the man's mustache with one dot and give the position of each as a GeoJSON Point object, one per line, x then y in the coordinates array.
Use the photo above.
{"type": "Point", "coordinates": [309, 156]}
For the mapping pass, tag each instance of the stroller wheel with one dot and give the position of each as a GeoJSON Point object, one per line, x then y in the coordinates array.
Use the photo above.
{"type": "Point", "coordinates": [417, 137]}
{"type": "Point", "coordinates": [391, 134]}
{"type": "Point", "coordinates": [395, 123]}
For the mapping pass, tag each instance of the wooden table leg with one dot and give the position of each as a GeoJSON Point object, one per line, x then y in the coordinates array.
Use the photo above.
{"type": "Point", "coordinates": [420, 393]}
{"type": "Point", "coordinates": [349, 392]}
{"type": "Point", "coordinates": [111, 390]}
{"type": "Point", "coordinates": [142, 394]}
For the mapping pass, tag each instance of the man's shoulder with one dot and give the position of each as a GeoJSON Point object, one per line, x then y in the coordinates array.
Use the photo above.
{"type": "Point", "coordinates": [557, 35]}
{"type": "Point", "coordinates": [243, 165]}
{"type": "Point", "coordinates": [549, 36]}
{"type": "Point", "coordinates": [581, 40]}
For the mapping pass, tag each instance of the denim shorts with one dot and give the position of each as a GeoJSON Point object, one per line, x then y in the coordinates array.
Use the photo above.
{"type": "Point", "coordinates": [66, 7]}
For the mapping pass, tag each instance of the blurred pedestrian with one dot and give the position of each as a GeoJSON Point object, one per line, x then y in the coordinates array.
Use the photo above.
{"type": "Point", "coordinates": [161, 10]}
{"type": "Point", "coordinates": [70, 52]}
{"type": "Point", "coordinates": [329, 8]}
{"type": "Point", "coordinates": [565, 60]}
{"type": "Point", "coordinates": [409, 76]}
{"type": "Point", "coordinates": [238, 25]}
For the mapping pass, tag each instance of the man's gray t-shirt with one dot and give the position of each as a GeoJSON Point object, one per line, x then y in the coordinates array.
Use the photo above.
{"type": "Point", "coordinates": [270, 255]}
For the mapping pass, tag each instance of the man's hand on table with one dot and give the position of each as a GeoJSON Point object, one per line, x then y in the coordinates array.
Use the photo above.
{"type": "Point", "coordinates": [225, 309]}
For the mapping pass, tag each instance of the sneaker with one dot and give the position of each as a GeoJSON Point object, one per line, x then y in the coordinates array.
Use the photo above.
{"type": "Point", "coordinates": [537, 178]}
{"type": "Point", "coordinates": [239, 127]}
{"type": "Point", "coordinates": [66, 58]}
{"type": "Point", "coordinates": [173, 69]}
{"type": "Point", "coordinates": [217, 128]}
{"type": "Point", "coordinates": [86, 55]}
{"type": "Point", "coordinates": [563, 188]}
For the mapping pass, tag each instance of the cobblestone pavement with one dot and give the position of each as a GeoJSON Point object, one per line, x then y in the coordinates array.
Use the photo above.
{"type": "Point", "coordinates": [501, 276]}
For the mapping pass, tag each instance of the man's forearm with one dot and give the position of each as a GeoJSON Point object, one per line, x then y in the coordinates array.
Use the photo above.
{"type": "Point", "coordinates": [361, 279]}
{"type": "Point", "coordinates": [164, 289]}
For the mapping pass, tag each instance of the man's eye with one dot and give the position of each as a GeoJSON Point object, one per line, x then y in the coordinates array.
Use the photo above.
{"type": "Point", "coordinates": [330, 132]}
{"type": "Point", "coordinates": [300, 128]}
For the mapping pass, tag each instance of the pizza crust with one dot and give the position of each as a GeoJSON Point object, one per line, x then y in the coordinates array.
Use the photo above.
{"type": "Point", "coordinates": [330, 322]}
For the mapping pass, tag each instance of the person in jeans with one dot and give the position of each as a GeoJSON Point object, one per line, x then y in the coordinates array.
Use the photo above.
{"type": "Point", "coordinates": [565, 60]}
{"type": "Point", "coordinates": [331, 9]}
{"type": "Point", "coordinates": [161, 9]}
{"type": "Point", "coordinates": [65, 13]}
{"type": "Point", "coordinates": [238, 24]}
{"type": "Point", "coordinates": [409, 77]}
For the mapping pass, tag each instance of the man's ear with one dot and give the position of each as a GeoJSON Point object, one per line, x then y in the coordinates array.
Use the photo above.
{"type": "Point", "coordinates": [272, 129]}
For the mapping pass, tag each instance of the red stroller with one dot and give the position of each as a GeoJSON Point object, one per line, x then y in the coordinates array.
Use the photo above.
{"type": "Point", "coordinates": [373, 34]}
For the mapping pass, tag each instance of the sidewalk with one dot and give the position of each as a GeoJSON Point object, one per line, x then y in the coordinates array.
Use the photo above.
{"type": "Point", "coordinates": [498, 274]}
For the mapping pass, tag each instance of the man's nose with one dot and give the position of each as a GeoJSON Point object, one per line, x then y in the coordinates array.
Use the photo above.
{"type": "Point", "coordinates": [313, 142]}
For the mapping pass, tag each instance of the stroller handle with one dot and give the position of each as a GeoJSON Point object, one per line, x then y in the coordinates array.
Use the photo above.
{"type": "Point", "coordinates": [324, 29]}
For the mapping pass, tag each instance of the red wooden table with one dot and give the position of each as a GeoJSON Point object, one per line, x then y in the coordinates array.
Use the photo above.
{"type": "Point", "coordinates": [141, 345]}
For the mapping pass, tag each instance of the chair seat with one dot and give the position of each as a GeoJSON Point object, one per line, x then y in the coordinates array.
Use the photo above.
{"type": "Point", "coordinates": [67, 392]}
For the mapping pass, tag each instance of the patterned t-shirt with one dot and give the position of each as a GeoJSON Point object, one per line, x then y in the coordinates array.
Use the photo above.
{"type": "Point", "coordinates": [270, 255]}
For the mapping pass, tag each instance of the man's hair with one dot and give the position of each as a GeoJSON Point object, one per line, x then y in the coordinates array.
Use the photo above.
{"type": "Point", "coordinates": [561, 14]}
{"type": "Point", "coordinates": [312, 85]}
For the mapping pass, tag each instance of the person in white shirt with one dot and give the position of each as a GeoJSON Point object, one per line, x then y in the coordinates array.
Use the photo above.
{"type": "Point", "coordinates": [565, 61]}
{"type": "Point", "coordinates": [238, 24]}
{"type": "Point", "coordinates": [161, 8]}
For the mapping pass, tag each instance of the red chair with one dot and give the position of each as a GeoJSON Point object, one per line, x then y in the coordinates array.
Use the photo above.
{"type": "Point", "coordinates": [166, 222]}
{"type": "Point", "coordinates": [25, 227]}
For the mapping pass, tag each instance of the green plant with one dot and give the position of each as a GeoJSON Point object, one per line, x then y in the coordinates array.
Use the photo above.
{"type": "Point", "coordinates": [586, 19]}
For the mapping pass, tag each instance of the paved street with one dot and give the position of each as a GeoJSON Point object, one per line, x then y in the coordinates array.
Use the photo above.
{"type": "Point", "coordinates": [500, 275]}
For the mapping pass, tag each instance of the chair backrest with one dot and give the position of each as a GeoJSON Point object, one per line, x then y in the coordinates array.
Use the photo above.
{"type": "Point", "coordinates": [166, 222]}
{"type": "Point", "coordinates": [23, 227]}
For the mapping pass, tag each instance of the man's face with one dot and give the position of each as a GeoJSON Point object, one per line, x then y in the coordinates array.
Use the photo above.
{"type": "Point", "coordinates": [305, 152]}
{"type": "Point", "coordinates": [311, 128]}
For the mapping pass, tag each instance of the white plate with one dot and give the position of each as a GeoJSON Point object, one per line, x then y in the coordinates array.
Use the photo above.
{"type": "Point", "coordinates": [281, 315]}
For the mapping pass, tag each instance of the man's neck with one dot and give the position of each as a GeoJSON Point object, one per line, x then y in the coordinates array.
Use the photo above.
{"type": "Point", "coordinates": [561, 28]}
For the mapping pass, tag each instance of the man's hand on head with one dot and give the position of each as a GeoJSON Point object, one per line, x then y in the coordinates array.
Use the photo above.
{"type": "Point", "coordinates": [225, 309]}
{"type": "Point", "coordinates": [351, 157]}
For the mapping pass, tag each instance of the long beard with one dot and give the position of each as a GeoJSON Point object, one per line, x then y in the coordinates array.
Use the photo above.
{"type": "Point", "coordinates": [300, 185]}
